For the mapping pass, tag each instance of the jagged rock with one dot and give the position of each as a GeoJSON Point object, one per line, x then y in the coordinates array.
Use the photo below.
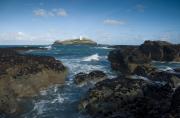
{"type": "Point", "coordinates": [126, 60]}
{"type": "Point", "coordinates": [128, 98]}
{"type": "Point", "coordinates": [171, 78]}
{"type": "Point", "coordinates": [93, 77]}
{"type": "Point", "coordinates": [160, 50]}
{"type": "Point", "coordinates": [24, 76]}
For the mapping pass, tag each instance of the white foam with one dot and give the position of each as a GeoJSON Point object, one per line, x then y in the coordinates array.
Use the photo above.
{"type": "Point", "coordinates": [40, 106]}
{"type": "Point", "coordinates": [167, 69]}
{"type": "Point", "coordinates": [59, 99]}
{"type": "Point", "coordinates": [94, 57]}
{"type": "Point", "coordinates": [43, 92]}
{"type": "Point", "coordinates": [48, 47]}
{"type": "Point", "coordinates": [107, 48]}
{"type": "Point", "coordinates": [138, 77]}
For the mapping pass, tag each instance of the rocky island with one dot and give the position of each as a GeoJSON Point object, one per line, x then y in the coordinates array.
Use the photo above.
{"type": "Point", "coordinates": [23, 76]}
{"type": "Point", "coordinates": [78, 41]}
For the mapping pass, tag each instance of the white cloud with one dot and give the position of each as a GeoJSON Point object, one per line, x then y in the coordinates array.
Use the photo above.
{"type": "Point", "coordinates": [114, 22]}
{"type": "Point", "coordinates": [40, 12]}
{"type": "Point", "coordinates": [61, 12]}
{"type": "Point", "coordinates": [140, 7]}
{"type": "Point", "coordinates": [52, 12]}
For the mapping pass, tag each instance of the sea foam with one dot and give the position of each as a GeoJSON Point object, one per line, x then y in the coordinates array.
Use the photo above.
{"type": "Point", "coordinates": [94, 57]}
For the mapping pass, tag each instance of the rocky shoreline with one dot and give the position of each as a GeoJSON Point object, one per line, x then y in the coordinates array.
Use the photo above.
{"type": "Point", "coordinates": [140, 90]}
{"type": "Point", "coordinates": [23, 76]}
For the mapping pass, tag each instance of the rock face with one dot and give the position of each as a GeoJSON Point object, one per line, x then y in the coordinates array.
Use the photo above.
{"type": "Point", "coordinates": [93, 77]}
{"type": "Point", "coordinates": [80, 41]}
{"type": "Point", "coordinates": [130, 98]}
{"type": "Point", "coordinates": [127, 59]}
{"type": "Point", "coordinates": [161, 50]}
{"type": "Point", "coordinates": [24, 76]}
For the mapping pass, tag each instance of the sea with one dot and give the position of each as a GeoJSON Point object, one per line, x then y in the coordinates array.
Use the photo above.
{"type": "Point", "coordinates": [61, 101]}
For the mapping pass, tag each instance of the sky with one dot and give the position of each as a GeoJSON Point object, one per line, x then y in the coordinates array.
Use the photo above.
{"type": "Point", "coordinates": [38, 22]}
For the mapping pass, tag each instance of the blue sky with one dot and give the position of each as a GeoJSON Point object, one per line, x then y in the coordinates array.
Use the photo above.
{"type": "Point", "coordinates": [105, 21]}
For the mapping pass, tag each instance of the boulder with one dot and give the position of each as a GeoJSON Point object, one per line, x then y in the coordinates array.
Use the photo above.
{"type": "Point", "coordinates": [24, 76]}
{"type": "Point", "coordinates": [160, 50]}
{"type": "Point", "coordinates": [93, 77]}
{"type": "Point", "coordinates": [126, 59]}
{"type": "Point", "coordinates": [127, 98]}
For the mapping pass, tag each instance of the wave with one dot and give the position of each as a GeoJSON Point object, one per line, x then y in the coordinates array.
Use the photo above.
{"type": "Point", "coordinates": [166, 69]}
{"type": "Point", "coordinates": [107, 48]}
{"type": "Point", "coordinates": [48, 47]}
{"type": "Point", "coordinates": [59, 99]}
{"type": "Point", "coordinates": [94, 57]}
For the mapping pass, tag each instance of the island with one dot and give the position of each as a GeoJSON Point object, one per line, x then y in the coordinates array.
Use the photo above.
{"type": "Point", "coordinates": [78, 41]}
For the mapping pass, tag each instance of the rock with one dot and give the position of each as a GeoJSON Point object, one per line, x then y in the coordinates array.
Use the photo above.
{"type": "Point", "coordinates": [80, 41]}
{"type": "Point", "coordinates": [160, 50]}
{"type": "Point", "coordinates": [93, 77]}
{"type": "Point", "coordinates": [24, 76]}
{"type": "Point", "coordinates": [173, 79]}
{"type": "Point", "coordinates": [177, 70]}
{"type": "Point", "coordinates": [176, 103]}
{"type": "Point", "coordinates": [127, 98]}
{"type": "Point", "coordinates": [132, 60]}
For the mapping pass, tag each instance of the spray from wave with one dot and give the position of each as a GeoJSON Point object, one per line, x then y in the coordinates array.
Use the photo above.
{"type": "Point", "coordinates": [94, 57]}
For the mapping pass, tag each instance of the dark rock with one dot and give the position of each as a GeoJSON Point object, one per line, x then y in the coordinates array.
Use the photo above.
{"type": "Point", "coordinates": [131, 60]}
{"type": "Point", "coordinates": [160, 50]}
{"type": "Point", "coordinates": [171, 78]}
{"type": "Point", "coordinates": [177, 70]}
{"type": "Point", "coordinates": [128, 98]}
{"type": "Point", "coordinates": [176, 103]}
{"type": "Point", "coordinates": [93, 77]}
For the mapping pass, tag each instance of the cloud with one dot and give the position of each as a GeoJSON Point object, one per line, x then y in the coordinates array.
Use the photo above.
{"type": "Point", "coordinates": [114, 22]}
{"type": "Point", "coordinates": [52, 12]}
{"type": "Point", "coordinates": [61, 12]}
{"type": "Point", "coordinates": [40, 12]}
{"type": "Point", "coordinates": [140, 8]}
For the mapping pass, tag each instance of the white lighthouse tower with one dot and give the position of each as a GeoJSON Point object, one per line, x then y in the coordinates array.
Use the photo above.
{"type": "Point", "coordinates": [81, 38]}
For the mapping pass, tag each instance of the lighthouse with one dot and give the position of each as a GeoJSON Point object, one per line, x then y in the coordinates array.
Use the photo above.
{"type": "Point", "coordinates": [81, 38]}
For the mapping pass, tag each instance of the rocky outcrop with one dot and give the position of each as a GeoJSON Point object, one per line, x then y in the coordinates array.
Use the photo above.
{"type": "Point", "coordinates": [126, 60]}
{"type": "Point", "coordinates": [160, 50]}
{"type": "Point", "coordinates": [130, 98]}
{"type": "Point", "coordinates": [93, 77]}
{"type": "Point", "coordinates": [24, 76]}
{"type": "Point", "coordinates": [80, 41]}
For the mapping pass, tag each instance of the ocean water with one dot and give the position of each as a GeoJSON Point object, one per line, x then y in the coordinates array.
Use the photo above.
{"type": "Point", "coordinates": [62, 101]}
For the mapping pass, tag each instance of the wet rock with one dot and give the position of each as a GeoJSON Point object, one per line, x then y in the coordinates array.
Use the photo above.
{"type": "Point", "coordinates": [172, 78]}
{"type": "Point", "coordinates": [93, 77]}
{"type": "Point", "coordinates": [176, 103]}
{"type": "Point", "coordinates": [177, 70]}
{"type": "Point", "coordinates": [127, 98]}
{"type": "Point", "coordinates": [160, 50]}
{"type": "Point", "coordinates": [24, 76]}
{"type": "Point", "coordinates": [126, 59]}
